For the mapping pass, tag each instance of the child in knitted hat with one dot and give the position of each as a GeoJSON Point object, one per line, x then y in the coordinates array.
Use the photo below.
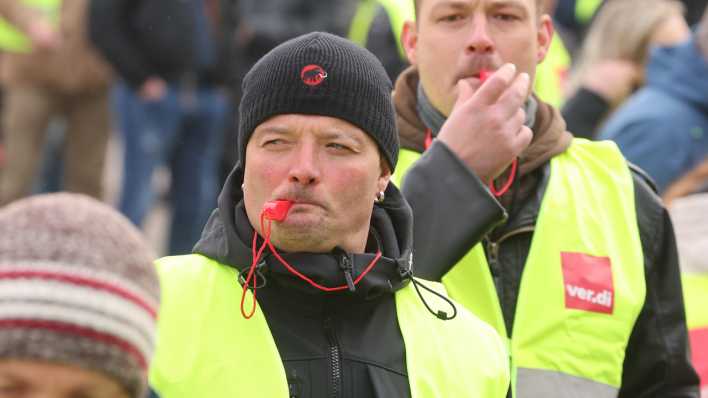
{"type": "Point", "coordinates": [78, 300]}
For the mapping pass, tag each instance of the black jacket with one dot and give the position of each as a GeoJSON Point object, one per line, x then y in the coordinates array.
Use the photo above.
{"type": "Point", "coordinates": [143, 38]}
{"type": "Point", "coordinates": [584, 112]}
{"type": "Point", "coordinates": [657, 360]}
{"type": "Point", "coordinates": [341, 344]}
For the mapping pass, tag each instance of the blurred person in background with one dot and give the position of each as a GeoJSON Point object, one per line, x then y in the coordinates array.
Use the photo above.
{"type": "Point", "coordinates": [266, 23]}
{"type": "Point", "coordinates": [171, 104]}
{"type": "Point", "coordinates": [694, 10]}
{"type": "Point", "coordinates": [552, 72]}
{"type": "Point", "coordinates": [78, 300]}
{"type": "Point", "coordinates": [575, 17]}
{"type": "Point", "coordinates": [377, 26]}
{"type": "Point", "coordinates": [614, 55]}
{"type": "Point", "coordinates": [687, 200]}
{"type": "Point", "coordinates": [694, 181]}
{"type": "Point", "coordinates": [263, 24]}
{"type": "Point", "coordinates": [663, 128]}
{"type": "Point", "coordinates": [50, 69]}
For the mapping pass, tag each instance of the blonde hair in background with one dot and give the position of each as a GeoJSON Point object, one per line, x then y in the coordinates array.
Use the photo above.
{"type": "Point", "coordinates": [622, 29]}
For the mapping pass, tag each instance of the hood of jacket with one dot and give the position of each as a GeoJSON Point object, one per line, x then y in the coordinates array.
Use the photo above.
{"type": "Point", "coordinates": [680, 71]}
{"type": "Point", "coordinates": [228, 235]}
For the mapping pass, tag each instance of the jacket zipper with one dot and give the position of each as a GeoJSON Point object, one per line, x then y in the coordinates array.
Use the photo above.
{"type": "Point", "coordinates": [347, 267]}
{"type": "Point", "coordinates": [294, 385]}
{"type": "Point", "coordinates": [335, 366]}
{"type": "Point", "coordinates": [493, 246]}
{"type": "Point", "coordinates": [493, 257]}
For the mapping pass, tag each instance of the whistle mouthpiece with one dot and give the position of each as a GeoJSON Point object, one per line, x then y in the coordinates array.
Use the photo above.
{"type": "Point", "coordinates": [484, 75]}
{"type": "Point", "coordinates": [276, 210]}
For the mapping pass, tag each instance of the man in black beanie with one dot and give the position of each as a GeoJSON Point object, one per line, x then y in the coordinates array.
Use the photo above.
{"type": "Point", "coordinates": [301, 284]}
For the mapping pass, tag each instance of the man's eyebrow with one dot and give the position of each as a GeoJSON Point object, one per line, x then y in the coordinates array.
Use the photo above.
{"type": "Point", "coordinates": [508, 3]}
{"type": "Point", "coordinates": [336, 133]}
{"type": "Point", "coordinates": [458, 5]}
{"type": "Point", "coordinates": [274, 129]}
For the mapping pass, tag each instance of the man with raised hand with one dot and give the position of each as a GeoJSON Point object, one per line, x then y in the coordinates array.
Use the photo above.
{"type": "Point", "coordinates": [556, 242]}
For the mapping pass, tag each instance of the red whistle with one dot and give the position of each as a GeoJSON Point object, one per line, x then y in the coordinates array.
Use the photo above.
{"type": "Point", "coordinates": [276, 210]}
{"type": "Point", "coordinates": [484, 75]}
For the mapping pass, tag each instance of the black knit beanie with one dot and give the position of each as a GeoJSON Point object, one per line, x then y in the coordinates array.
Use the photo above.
{"type": "Point", "coordinates": [321, 74]}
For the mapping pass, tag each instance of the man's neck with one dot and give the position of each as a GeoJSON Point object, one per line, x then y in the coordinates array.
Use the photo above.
{"type": "Point", "coordinates": [431, 117]}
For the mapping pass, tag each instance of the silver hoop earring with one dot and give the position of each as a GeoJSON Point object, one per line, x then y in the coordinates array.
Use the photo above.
{"type": "Point", "coordinates": [243, 186]}
{"type": "Point", "coordinates": [380, 197]}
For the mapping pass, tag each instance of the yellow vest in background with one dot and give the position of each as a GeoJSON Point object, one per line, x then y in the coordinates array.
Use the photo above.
{"type": "Point", "coordinates": [695, 291]}
{"type": "Point", "coordinates": [585, 10]}
{"type": "Point", "coordinates": [399, 11]}
{"type": "Point", "coordinates": [552, 73]}
{"type": "Point", "coordinates": [12, 40]}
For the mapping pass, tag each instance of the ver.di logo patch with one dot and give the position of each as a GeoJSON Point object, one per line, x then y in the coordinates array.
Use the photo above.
{"type": "Point", "coordinates": [588, 282]}
{"type": "Point", "coordinates": [313, 75]}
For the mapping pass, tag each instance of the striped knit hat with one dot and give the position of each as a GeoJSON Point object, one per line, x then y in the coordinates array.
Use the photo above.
{"type": "Point", "coordinates": [77, 287]}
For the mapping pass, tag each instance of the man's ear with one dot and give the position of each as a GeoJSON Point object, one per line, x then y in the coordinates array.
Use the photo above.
{"type": "Point", "coordinates": [409, 39]}
{"type": "Point", "coordinates": [544, 37]}
{"type": "Point", "coordinates": [384, 178]}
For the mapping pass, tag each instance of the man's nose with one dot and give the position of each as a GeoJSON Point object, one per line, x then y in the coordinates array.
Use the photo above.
{"type": "Point", "coordinates": [305, 168]}
{"type": "Point", "coordinates": [479, 41]}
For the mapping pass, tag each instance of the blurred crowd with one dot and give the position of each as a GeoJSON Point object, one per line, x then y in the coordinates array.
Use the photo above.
{"type": "Point", "coordinates": [160, 79]}
{"type": "Point", "coordinates": [104, 97]}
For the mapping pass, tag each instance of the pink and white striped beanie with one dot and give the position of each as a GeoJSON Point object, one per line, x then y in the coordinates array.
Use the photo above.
{"type": "Point", "coordinates": [77, 287]}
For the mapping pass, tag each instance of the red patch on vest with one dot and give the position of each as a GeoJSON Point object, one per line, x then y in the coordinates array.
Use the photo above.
{"type": "Point", "coordinates": [588, 283]}
{"type": "Point", "coordinates": [699, 353]}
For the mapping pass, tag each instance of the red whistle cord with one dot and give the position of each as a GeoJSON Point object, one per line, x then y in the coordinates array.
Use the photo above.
{"type": "Point", "coordinates": [428, 139]}
{"type": "Point", "coordinates": [497, 193]}
{"type": "Point", "coordinates": [256, 255]}
{"type": "Point", "coordinates": [504, 189]}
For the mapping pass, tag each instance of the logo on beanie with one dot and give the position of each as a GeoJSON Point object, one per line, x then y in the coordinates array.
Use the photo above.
{"type": "Point", "coordinates": [312, 75]}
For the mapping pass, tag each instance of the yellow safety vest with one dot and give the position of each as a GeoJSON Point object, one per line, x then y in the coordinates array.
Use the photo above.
{"type": "Point", "coordinates": [11, 39]}
{"type": "Point", "coordinates": [399, 11]}
{"type": "Point", "coordinates": [585, 9]}
{"type": "Point", "coordinates": [205, 348]}
{"type": "Point", "coordinates": [583, 284]}
{"type": "Point", "coordinates": [695, 291]}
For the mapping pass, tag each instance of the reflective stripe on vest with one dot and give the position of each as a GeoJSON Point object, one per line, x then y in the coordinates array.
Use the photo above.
{"type": "Point", "coordinates": [207, 349]}
{"type": "Point", "coordinates": [583, 284]}
{"type": "Point", "coordinates": [11, 39]}
{"type": "Point", "coordinates": [398, 11]}
{"type": "Point", "coordinates": [695, 291]}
